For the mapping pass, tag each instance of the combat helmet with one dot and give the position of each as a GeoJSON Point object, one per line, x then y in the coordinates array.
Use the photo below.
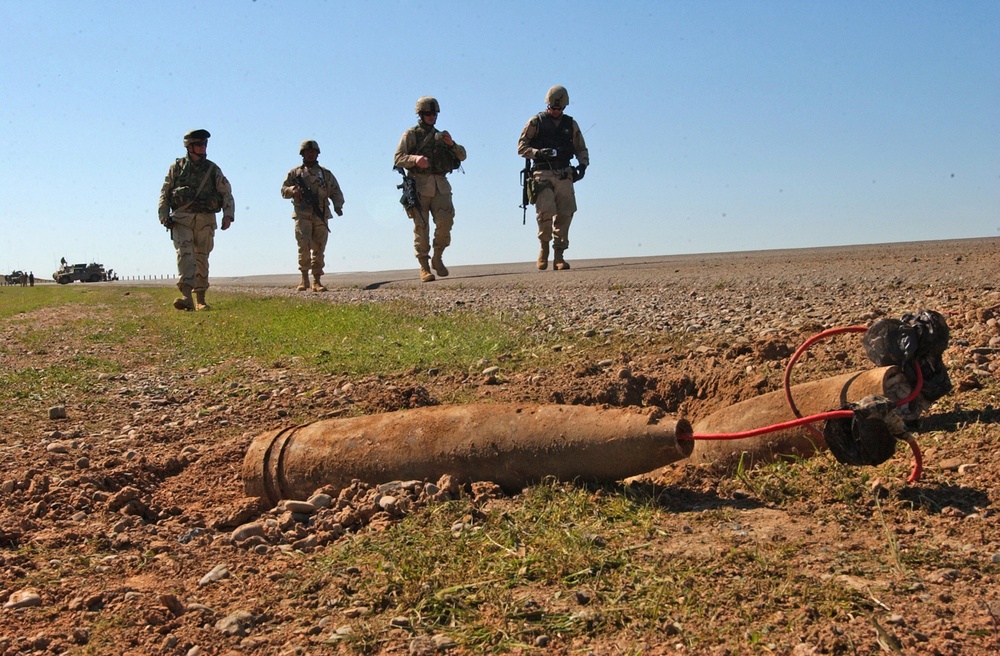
{"type": "Point", "coordinates": [307, 144]}
{"type": "Point", "coordinates": [196, 135]}
{"type": "Point", "coordinates": [557, 97]}
{"type": "Point", "coordinates": [428, 104]}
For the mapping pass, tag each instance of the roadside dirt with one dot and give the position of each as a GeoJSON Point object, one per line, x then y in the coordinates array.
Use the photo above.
{"type": "Point", "coordinates": [113, 518]}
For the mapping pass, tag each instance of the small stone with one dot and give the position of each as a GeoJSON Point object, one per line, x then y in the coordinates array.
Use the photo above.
{"type": "Point", "coordinates": [217, 573]}
{"type": "Point", "coordinates": [951, 464]}
{"type": "Point", "coordinates": [57, 447]}
{"type": "Point", "coordinates": [303, 507]}
{"type": "Point", "coordinates": [321, 500]}
{"type": "Point", "coordinates": [247, 531]}
{"type": "Point", "coordinates": [26, 598]}
{"type": "Point", "coordinates": [542, 641]}
{"type": "Point", "coordinates": [443, 642]}
{"type": "Point", "coordinates": [400, 622]}
{"type": "Point", "coordinates": [490, 371]}
{"type": "Point", "coordinates": [236, 624]}
{"type": "Point", "coordinates": [966, 468]}
{"type": "Point", "coordinates": [57, 412]}
{"type": "Point", "coordinates": [173, 604]}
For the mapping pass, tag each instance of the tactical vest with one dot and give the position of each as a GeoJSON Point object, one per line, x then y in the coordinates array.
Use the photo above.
{"type": "Point", "coordinates": [185, 196]}
{"type": "Point", "coordinates": [440, 155]}
{"type": "Point", "coordinates": [555, 136]}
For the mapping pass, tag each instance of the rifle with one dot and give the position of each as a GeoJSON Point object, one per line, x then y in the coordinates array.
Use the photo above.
{"type": "Point", "coordinates": [525, 181]}
{"type": "Point", "coordinates": [409, 200]}
{"type": "Point", "coordinates": [311, 198]}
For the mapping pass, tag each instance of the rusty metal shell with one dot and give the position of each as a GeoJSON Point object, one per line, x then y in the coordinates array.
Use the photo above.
{"type": "Point", "coordinates": [512, 445]}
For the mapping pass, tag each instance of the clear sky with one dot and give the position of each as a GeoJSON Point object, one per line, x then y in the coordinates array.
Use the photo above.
{"type": "Point", "coordinates": [712, 125]}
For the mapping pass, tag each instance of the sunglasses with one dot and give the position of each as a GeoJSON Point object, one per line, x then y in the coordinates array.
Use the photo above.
{"type": "Point", "coordinates": [428, 113]}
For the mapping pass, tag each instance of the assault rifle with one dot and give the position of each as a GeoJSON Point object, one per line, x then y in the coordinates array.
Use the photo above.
{"type": "Point", "coordinates": [409, 200]}
{"type": "Point", "coordinates": [310, 197]}
{"type": "Point", "coordinates": [525, 181]}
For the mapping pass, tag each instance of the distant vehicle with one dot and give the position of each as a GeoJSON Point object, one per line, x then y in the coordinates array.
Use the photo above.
{"type": "Point", "coordinates": [92, 272]}
{"type": "Point", "coordinates": [13, 278]}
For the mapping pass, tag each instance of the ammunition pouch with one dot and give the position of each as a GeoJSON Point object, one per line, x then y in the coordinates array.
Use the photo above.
{"type": "Point", "coordinates": [536, 187]}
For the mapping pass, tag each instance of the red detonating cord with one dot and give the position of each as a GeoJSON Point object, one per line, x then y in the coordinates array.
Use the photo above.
{"type": "Point", "coordinates": [824, 416]}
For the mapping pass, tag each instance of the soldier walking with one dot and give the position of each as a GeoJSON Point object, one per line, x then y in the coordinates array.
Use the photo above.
{"type": "Point", "coordinates": [430, 155]}
{"type": "Point", "coordinates": [311, 188]}
{"type": "Point", "coordinates": [551, 139]}
{"type": "Point", "coordinates": [193, 192]}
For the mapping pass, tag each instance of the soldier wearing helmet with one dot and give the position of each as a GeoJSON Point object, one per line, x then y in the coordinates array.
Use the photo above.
{"type": "Point", "coordinates": [429, 155]}
{"type": "Point", "coordinates": [193, 192]}
{"type": "Point", "coordinates": [311, 189]}
{"type": "Point", "coordinates": [550, 140]}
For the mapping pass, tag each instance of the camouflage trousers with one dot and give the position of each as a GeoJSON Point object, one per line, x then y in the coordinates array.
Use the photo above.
{"type": "Point", "coordinates": [311, 234]}
{"type": "Point", "coordinates": [194, 239]}
{"type": "Point", "coordinates": [441, 208]}
{"type": "Point", "coordinates": [555, 204]}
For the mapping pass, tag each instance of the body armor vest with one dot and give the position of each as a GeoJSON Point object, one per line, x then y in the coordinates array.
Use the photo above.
{"type": "Point", "coordinates": [441, 157]}
{"type": "Point", "coordinates": [555, 136]}
{"type": "Point", "coordinates": [185, 195]}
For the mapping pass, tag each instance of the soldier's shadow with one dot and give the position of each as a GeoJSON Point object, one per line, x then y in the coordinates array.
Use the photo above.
{"type": "Point", "coordinates": [952, 421]}
{"type": "Point", "coordinates": [935, 498]}
{"type": "Point", "coordinates": [676, 498]}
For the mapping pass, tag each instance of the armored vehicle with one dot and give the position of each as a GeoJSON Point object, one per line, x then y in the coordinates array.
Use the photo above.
{"type": "Point", "coordinates": [92, 272]}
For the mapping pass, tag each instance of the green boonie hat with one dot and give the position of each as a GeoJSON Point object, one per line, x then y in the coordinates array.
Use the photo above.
{"type": "Point", "coordinates": [308, 144]}
{"type": "Point", "coordinates": [196, 135]}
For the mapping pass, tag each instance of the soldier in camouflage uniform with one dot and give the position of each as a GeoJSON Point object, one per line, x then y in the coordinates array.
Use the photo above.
{"type": "Point", "coordinates": [429, 155]}
{"type": "Point", "coordinates": [311, 188]}
{"type": "Point", "coordinates": [551, 139]}
{"type": "Point", "coordinates": [193, 191]}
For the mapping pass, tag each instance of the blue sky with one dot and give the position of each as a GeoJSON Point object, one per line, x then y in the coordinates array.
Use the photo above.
{"type": "Point", "coordinates": [712, 125]}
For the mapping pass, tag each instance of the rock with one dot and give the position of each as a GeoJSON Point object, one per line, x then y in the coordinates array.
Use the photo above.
{"type": "Point", "coordinates": [122, 497]}
{"type": "Point", "coordinates": [302, 507]}
{"type": "Point", "coordinates": [217, 573]}
{"type": "Point", "coordinates": [173, 604]}
{"type": "Point", "coordinates": [321, 500]}
{"type": "Point", "coordinates": [57, 412]}
{"type": "Point", "coordinates": [951, 464]}
{"type": "Point", "coordinates": [57, 447]}
{"type": "Point", "coordinates": [247, 531]}
{"type": "Point", "coordinates": [236, 624]}
{"type": "Point", "coordinates": [26, 598]}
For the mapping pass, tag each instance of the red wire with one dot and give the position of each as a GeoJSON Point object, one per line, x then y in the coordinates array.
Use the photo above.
{"type": "Point", "coordinates": [798, 353]}
{"type": "Point", "coordinates": [823, 416]}
{"type": "Point", "coordinates": [834, 414]}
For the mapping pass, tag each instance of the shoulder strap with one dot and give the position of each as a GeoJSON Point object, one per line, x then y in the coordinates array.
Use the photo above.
{"type": "Point", "coordinates": [201, 186]}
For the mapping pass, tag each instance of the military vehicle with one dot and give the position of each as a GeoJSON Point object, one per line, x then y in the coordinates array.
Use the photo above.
{"type": "Point", "coordinates": [13, 278]}
{"type": "Point", "coordinates": [92, 272]}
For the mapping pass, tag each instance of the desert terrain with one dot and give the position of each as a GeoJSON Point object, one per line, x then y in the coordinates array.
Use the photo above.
{"type": "Point", "coordinates": [125, 528]}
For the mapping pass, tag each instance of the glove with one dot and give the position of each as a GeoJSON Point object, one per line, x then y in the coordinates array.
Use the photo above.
{"type": "Point", "coordinates": [546, 153]}
{"type": "Point", "coordinates": [578, 172]}
{"type": "Point", "coordinates": [339, 211]}
{"type": "Point", "coordinates": [226, 222]}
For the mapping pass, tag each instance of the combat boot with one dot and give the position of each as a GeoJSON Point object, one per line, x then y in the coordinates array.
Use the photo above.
{"type": "Point", "coordinates": [558, 263]}
{"type": "Point", "coordinates": [200, 303]}
{"type": "Point", "coordinates": [317, 285]}
{"type": "Point", "coordinates": [438, 265]}
{"type": "Point", "coordinates": [184, 302]}
{"type": "Point", "coordinates": [543, 257]}
{"type": "Point", "coordinates": [304, 285]}
{"type": "Point", "coordinates": [425, 270]}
